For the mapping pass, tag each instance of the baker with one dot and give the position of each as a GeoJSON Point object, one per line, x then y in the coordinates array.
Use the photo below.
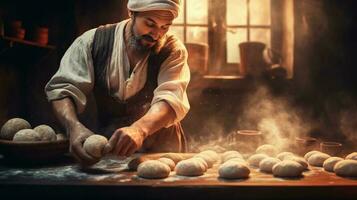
{"type": "Point", "coordinates": [126, 81]}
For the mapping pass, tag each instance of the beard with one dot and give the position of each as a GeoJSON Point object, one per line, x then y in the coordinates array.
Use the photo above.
{"type": "Point", "coordinates": [136, 42]}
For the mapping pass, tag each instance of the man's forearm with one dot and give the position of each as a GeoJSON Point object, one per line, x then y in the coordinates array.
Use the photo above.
{"type": "Point", "coordinates": [65, 112]}
{"type": "Point", "coordinates": [158, 116]}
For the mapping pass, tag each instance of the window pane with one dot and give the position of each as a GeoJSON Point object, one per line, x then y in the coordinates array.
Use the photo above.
{"type": "Point", "coordinates": [197, 34]}
{"type": "Point", "coordinates": [177, 31]}
{"type": "Point", "coordinates": [197, 11]}
{"type": "Point", "coordinates": [236, 12]}
{"type": "Point", "coordinates": [259, 12]}
{"type": "Point", "coordinates": [260, 35]}
{"type": "Point", "coordinates": [180, 17]}
{"type": "Point", "coordinates": [234, 37]}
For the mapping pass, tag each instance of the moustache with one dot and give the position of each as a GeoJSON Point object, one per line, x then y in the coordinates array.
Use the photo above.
{"type": "Point", "coordinates": [147, 38]}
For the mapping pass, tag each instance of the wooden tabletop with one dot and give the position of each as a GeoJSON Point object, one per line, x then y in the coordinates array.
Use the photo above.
{"type": "Point", "coordinates": [110, 178]}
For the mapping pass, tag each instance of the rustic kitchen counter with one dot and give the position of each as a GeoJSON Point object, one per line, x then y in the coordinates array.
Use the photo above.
{"type": "Point", "coordinates": [111, 179]}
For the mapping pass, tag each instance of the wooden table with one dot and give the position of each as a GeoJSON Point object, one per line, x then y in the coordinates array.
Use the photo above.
{"type": "Point", "coordinates": [111, 179]}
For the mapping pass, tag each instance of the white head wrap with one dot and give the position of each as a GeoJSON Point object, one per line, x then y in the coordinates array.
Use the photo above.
{"type": "Point", "coordinates": [148, 5]}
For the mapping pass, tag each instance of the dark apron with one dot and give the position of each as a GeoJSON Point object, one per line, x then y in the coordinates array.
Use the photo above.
{"type": "Point", "coordinates": [112, 113]}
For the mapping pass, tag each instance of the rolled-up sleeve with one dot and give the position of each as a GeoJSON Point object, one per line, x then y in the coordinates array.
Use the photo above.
{"type": "Point", "coordinates": [75, 76]}
{"type": "Point", "coordinates": [173, 79]}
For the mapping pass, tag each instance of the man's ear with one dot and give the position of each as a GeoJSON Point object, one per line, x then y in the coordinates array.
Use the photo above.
{"type": "Point", "coordinates": [131, 14]}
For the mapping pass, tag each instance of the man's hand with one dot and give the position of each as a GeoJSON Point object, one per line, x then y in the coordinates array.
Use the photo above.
{"type": "Point", "coordinates": [125, 141]}
{"type": "Point", "coordinates": [78, 134]}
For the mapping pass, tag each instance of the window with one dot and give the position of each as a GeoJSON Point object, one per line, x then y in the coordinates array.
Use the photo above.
{"type": "Point", "coordinates": [192, 24]}
{"type": "Point", "coordinates": [223, 24]}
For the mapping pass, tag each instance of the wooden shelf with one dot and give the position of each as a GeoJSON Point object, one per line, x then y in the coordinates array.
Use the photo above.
{"type": "Point", "coordinates": [12, 40]}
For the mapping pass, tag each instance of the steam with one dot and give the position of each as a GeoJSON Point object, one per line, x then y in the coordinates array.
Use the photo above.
{"type": "Point", "coordinates": [279, 121]}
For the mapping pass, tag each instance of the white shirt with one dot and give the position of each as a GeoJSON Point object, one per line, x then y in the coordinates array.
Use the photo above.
{"type": "Point", "coordinates": [75, 76]}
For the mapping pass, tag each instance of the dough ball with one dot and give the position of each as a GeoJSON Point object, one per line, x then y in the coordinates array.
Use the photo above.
{"type": "Point", "coordinates": [46, 133]}
{"type": "Point", "coordinates": [330, 163]}
{"type": "Point", "coordinates": [12, 126]}
{"type": "Point", "coordinates": [300, 160]}
{"type": "Point", "coordinates": [266, 165]}
{"type": "Point", "coordinates": [94, 145]}
{"type": "Point", "coordinates": [229, 155]}
{"type": "Point", "coordinates": [135, 162]}
{"type": "Point", "coordinates": [190, 167]}
{"type": "Point", "coordinates": [267, 149]}
{"type": "Point", "coordinates": [212, 154]}
{"type": "Point", "coordinates": [287, 168]}
{"type": "Point", "coordinates": [352, 156]}
{"type": "Point", "coordinates": [209, 160]}
{"type": "Point", "coordinates": [61, 136]}
{"type": "Point", "coordinates": [310, 153]}
{"type": "Point", "coordinates": [168, 162]}
{"type": "Point", "coordinates": [233, 170]}
{"type": "Point", "coordinates": [282, 155]}
{"type": "Point", "coordinates": [153, 169]}
{"type": "Point", "coordinates": [346, 168]}
{"type": "Point", "coordinates": [27, 135]}
{"type": "Point", "coordinates": [176, 157]}
{"type": "Point", "coordinates": [318, 159]}
{"type": "Point", "coordinates": [202, 162]}
{"type": "Point", "coordinates": [255, 159]}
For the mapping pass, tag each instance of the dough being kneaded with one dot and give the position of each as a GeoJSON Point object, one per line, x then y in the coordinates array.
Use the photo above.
{"type": "Point", "coordinates": [233, 170]}
{"type": "Point", "coordinates": [94, 145]}
{"type": "Point", "coordinates": [153, 169]}
{"type": "Point", "coordinates": [287, 168]}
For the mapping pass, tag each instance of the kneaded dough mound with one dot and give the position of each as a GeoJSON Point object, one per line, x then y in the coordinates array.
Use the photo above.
{"type": "Point", "coordinates": [287, 168]}
{"type": "Point", "coordinates": [153, 169]}
{"type": "Point", "coordinates": [266, 165]}
{"type": "Point", "coordinates": [352, 156]}
{"type": "Point", "coordinates": [168, 162]}
{"type": "Point", "coordinates": [347, 168]}
{"type": "Point", "coordinates": [282, 155]}
{"type": "Point", "coordinates": [310, 153]}
{"type": "Point", "coordinates": [318, 159]}
{"type": "Point", "coordinates": [330, 163]}
{"type": "Point", "coordinates": [94, 145]}
{"type": "Point", "coordinates": [12, 126]}
{"type": "Point", "coordinates": [46, 133]}
{"type": "Point", "coordinates": [255, 159]}
{"type": "Point", "coordinates": [233, 170]}
{"type": "Point", "coordinates": [267, 149]}
{"type": "Point", "coordinates": [27, 135]}
{"type": "Point", "coordinates": [190, 167]}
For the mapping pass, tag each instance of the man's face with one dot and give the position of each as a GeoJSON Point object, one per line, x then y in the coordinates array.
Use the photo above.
{"type": "Point", "coordinates": [149, 28]}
